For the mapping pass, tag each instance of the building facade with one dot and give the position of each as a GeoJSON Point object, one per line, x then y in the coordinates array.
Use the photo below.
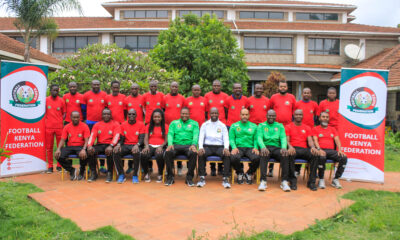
{"type": "Point", "coordinates": [303, 40]}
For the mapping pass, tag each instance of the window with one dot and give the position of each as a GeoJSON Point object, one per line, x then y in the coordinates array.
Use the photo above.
{"type": "Point", "coordinates": [323, 46]}
{"type": "Point", "coordinates": [317, 16]}
{"type": "Point", "coordinates": [21, 39]}
{"type": "Point", "coordinates": [136, 43]}
{"type": "Point", "coordinates": [261, 15]}
{"type": "Point", "coordinates": [200, 13]}
{"type": "Point", "coordinates": [146, 14]}
{"type": "Point", "coordinates": [72, 44]}
{"type": "Point", "coordinates": [280, 45]}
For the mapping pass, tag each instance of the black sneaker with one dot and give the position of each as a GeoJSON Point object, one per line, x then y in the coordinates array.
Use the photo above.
{"type": "Point", "coordinates": [293, 186]}
{"type": "Point", "coordinates": [93, 176]}
{"type": "Point", "coordinates": [189, 182]}
{"type": "Point", "coordinates": [81, 175]}
{"type": "Point", "coordinates": [109, 177]}
{"type": "Point", "coordinates": [72, 175]}
{"type": "Point", "coordinates": [169, 181]}
{"type": "Point", "coordinates": [49, 170]}
{"type": "Point", "coordinates": [59, 169]}
{"type": "Point", "coordinates": [312, 186]}
{"type": "Point", "coordinates": [213, 172]}
{"type": "Point", "coordinates": [240, 178]}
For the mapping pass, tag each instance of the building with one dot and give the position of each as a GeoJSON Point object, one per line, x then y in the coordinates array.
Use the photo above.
{"type": "Point", "coordinates": [303, 40]}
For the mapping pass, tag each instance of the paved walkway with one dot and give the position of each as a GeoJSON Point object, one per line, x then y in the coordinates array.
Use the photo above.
{"type": "Point", "coordinates": [153, 211]}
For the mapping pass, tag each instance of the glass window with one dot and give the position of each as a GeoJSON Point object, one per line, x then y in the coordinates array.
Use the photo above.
{"type": "Point", "coordinates": [162, 14]}
{"type": "Point", "coordinates": [302, 16]}
{"type": "Point", "coordinates": [72, 44]}
{"type": "Point", "coordinates": [93, 40]}
{"type": "Point", "coordinates": [280, 45]}
{"type": "Point", "coordinates": [219, 14]}
{"type": "Point", "coordinates": [323, 46]}
{"type": "Point", "coordinates": [129, 14]}
{"type": "Point", "coordinates": [250, 44]}
{"type": "Point", "coordinates": [151, 14]}
{"type": "Point", "coordinates": [140, 14]}
{"type": "Point", "coordinates": [131, 42]}
{"type": "Point", "coordinates": [200, 13]}
{"type": "Point", "coordinates": [120, 41]}
{"type": "Point", "coordinates": [183, 12]}
{"type": "Point", "coordinates": [81, 42]}
{"type": "Point", "coordinates": [317, 16]}
{"type": "Point", "coordinates": [331, 16]}
{"type": "Point", "coordinates": [136, 43]}
{"type": "Point", "coordinates": [146, 14]}
{"type": "Point", "coordinates": [243, 14]}
{"type": "Point", "coordinates": [21, 39]}
{"type": "Point", "coordinates": [261, 15]}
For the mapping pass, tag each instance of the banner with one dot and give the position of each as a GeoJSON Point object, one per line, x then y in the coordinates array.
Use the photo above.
{"type": "Point", "coordinates": [362, 109]}
{"type": "Point", "coordinates": [23, 105]}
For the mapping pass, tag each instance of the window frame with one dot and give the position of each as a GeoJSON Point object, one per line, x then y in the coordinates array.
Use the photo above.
{"type": "Point", "coordinates": [324, 16]}
{"type": "Point", "coordinates": [323, 51]}
{"type": "Point", "coordinates": [202, 13]}
{"type": "Point", "coordinates": [137, 37]}
{"type": "Point", "coordinates": [72, 49]}
{"type": "Point", "coordinates": [268, 49]}
{"type": "Point", "coordinates": [258, 18]}
{"type": "Point", "coordinates": [146, 12]}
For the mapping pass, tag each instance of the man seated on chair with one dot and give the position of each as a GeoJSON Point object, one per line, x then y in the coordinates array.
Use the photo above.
{"type": "Point", "coordinates": [77, 133]}
{"type": "Point", "coordinates": [325, 138]}
{"type": "Point", "coordinates": [301, 145]}
{"type": "Point", "coordinates": [272, 141]}
{"type": "Point", "coordinates": [242, 138]}
{"type": "Point", "coordinates": [213, 141]}
{"type": "Point", "coordinates": [183, 135]}
{"type": "Point", "coordinates": [107, 134]}
{"type": "Point", "coordinates": [131, 140]}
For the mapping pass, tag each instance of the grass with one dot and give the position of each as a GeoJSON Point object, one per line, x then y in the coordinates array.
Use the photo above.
{"type": "Point", "coordinates": [23, 218]}
{"type": "Point", "coordinates": [392, 159]}
{"type": "Point", "coordinates": [375, 215]}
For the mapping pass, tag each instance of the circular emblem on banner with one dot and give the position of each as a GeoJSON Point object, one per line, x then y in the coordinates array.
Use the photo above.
{"type": "Point", "coordinates": [287, 103]}
{"type": "Point", "coordinates": [110, 132]}
{"type": "Point", "coordinates": [129, 104]}
{"type": "Point", "coordinates": [137, 133]}
{"type": "Point", "coordinates": [90, 100]}
{"type": "Point", "coordinates": [25, 94]}
{"type": "Point", "coordinates": [190, 103]}
{"type": "Point", "coordinates": [67, 100]}
{"type": "Point", "coordinates": [363, 100]}
{"type": "Point", "coordinates": [201, 104]}
{"type": "Point", "coordinates": [320, 135]}
{"type": "Point", "coordinates": [77, 101]}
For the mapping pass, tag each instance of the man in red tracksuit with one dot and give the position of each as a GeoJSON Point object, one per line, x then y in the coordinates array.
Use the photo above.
{"type": "Point", "coordinates": [135, 101]}
{"type": "Point", "coordinates": [197, 105]}
{"type": "Point", "coordinates": [73, 102]}
{"type": "Point", "coordinates": [284, 105]}
{"type": "Point", "coordinates": [55, 114]}
{"type": "Point", "coordinates": [115, 102]}
{"type": "Point", "coordinates": [331, 106]}
{"type": "Point", "coordinates": [107, 134]}
{"type": "Point", "coordinates": [234, 104]}
{"type": "Point", "coordinates": [173, 103]}
{"type": "Point", "coordinates": [152, 100]}
{"type": "Point", "coordinates": [258, 105]}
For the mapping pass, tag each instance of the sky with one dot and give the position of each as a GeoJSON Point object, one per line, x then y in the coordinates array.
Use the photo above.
{"type": "Point", "coordinates": [370, 12]}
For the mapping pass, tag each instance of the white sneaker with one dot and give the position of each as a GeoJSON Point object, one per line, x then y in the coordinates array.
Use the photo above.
{"type": "Point", "coordinates": [225, 183]}
{"type": "Point", "coordinates": [159, 179]}
{"type": "Point", "coordinates": [147, 178]}
{"type": "Point", "coordinates": [336, 183]}
{"type": "Point", "coordinates": [202, 182]}
{"type": "Point", "coordinates": [321, 184]}
{"type": "Point", "coordinates": [179, 171]}
{"type": "Point", "coordinates": [262, 186]}
{"type": "Point", "coordinates": [296, 174]}
{"type": "Point", "coordinates": [285, 186]}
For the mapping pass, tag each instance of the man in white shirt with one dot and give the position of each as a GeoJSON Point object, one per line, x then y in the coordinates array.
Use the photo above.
{"type": "Point", "coordinates": [213, 141]}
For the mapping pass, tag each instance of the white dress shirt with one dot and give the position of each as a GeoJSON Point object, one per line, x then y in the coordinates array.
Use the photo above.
{"type": "Point", "coordinates": [214, 133]}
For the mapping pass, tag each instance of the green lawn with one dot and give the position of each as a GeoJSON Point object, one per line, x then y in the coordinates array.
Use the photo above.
{"type": "Point", "coordinates": [23, 218]}
{"type": "Point", "coordinates": [392, 159]}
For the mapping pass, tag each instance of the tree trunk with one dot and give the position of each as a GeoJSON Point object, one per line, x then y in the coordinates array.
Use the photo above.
{"type": "Point", "coordinates": [27, 52]}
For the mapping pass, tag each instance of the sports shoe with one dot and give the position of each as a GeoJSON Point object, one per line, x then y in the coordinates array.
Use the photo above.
{"type": "Point", "coordinates": [249, 178]}
{"type": "Point", "coordinates": [135, 179]}
{"type": "Point", "coordinates": [81, 175]}
{"type": "Point", "coordinates": [147, 177]}
{"type": "Point", "coordinates": [129, 170]}
{"type": "Point", "coordinates": [225, 182]}
{"type": "Point", "coordinates": [109, 177]}
{"type": "Point", "coordinates": [169, 181]}
{"type": "Point", "coordinates": [202, 182]}
{"type": "Point", "coordinates": [121, 179]}
{"type": "Point", "coordinates": [312, 186]}
{"type": "Point", "coordinates": [270, 173]}
{"type": "Point", "coordinates": [262, 186]}
{"type": "Point", "coordinates": [159, 179]}
{"type": "Point", "coordinates": [103, 170]}
{"type": "Point", "coordinates": [296, 174]}
{"type": "Point", "coordinates": [179, 171]}
{"type": "Point", "coordinates": [240, 178]}
{"type": "Point", "coordinates": [72, 175]}
{"type": "Point", "coordinates": [189, 182]}
{"type": "Point", "coordinates": [213, 172]}
{"type": "Point", "coordinates": [49, 171]}
{"type": "Point", "coordinates": [293, 186]}
{"type": "Point", "coordinates": [336, 183]}
{"type": "Point", "coordinates": [321, 184]}
{"type": "Point", "coordinates": [93, 176]}
{"type": "Point", "coordinates": [59, 169]}
{"type": "Point", "coordinates": [285, 186]}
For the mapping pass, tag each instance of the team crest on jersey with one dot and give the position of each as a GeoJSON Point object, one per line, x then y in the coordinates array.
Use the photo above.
{"type": "Point", "coordinates": [238, 129]}
{"type": "Point", "coordinates": [178, 105]}
{"type": "Point", "coordinates": [140, 105]}
{"type": "Point", "coordinates": [331, 135]}
{"type": "Point", "coordinates": [69, 135]}
{"type": "Point", "coordinates": [79, 135]}
{"type": "Point", "coordinates": [148, 103]}
{"type": "Point", "coordinates": [90, 100]}
{"type": "Point", "coordinates": [99, 131]}
{"type": "Point", "coordinates": [179, 125]}
{"type": "Point", "coordinates": [48, 107]}
{"type": "Point", "coordinates": [265, 107]}
{"type": "Point", "coordinates": [222, 101]}
{"type": "Point", "coordinates": [233, 107]}
{"type": "Point", "coordinates": [158, 104]}
{"type": "Point", "coordinates": [210, 101]}
{"type": "Point", "coordinates": [303, 131]}
{"type": "Point", "coordinates": [102, 100]}
{"type": "Point", "coordinates": [120, 103]}
{"type": "Point", "coordinates": [251, 106]}
{"type": "Point", "coordinates": [58, 109]}
{"type": "Point", "coordinates": [109, 103]}
{"type": "Point", "coordinates": [190, 103]}
{"type": "Point", "coordinates": [276, 129]}
{"type": "Point", "coordinates": [110, 132]}
{"type": "Point", "coordinates": [287, 102]}
{"type": "Point", "coordinates": [321, 135]}
{"type": "Point", "coordinates": [167, 105]}
{"type": "Point", "coordinates": [327, 110]}
{"type": "Point", "coordinates": [129, 104]}
{"type": "Point", "coordinates": [77, 101]}
{"type": "Point", "coordinates": [67, 100]}
{"type": "Point", "coordinates": [219, 130]}
{"type": "Point", "coordinates": [250, 129]}
{"type": "Point", "coordinates": [189, 125]}
{"type": "Point", "coordinates": [125, 133]}
{"type": "Point", "coordinates": [137, 133]}
{"type": "Point", "coordinates": [311, 111]}
{"type": "Point", "coordinates": [201, 104]}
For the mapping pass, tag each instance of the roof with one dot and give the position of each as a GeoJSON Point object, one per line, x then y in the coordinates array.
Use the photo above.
{"type": "Point", "coordinates": [16, 50]}
{"type": "Point", "coordinates": [108, 24]}
{"type": "Point", "coordinates": [387, 59]}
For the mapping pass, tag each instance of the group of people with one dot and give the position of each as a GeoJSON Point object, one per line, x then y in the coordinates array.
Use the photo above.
{"type": "Point", "coordinates": [230, 128]}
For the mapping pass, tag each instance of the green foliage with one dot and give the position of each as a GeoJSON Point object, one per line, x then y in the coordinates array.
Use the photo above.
{"type": "Point", "coordinates": [107, 63]}
{"type": "Point", "coordinates": [392, 140]}
{"type": "Point", "coordinates": [32, 17]}
{"type": "Point", "coordinates": [202, 50]}
{"type": "Point", "coordinates": [23, 218]}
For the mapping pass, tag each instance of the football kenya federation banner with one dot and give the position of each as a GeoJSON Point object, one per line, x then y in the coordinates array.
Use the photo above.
{"type": "Point", "coordinates": [362, 109]}
{"type": "Point", "coordinates": [23, 105]}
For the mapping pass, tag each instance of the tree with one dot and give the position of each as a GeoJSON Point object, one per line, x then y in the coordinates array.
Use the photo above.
{"type": "Point", "coordinates": [271, 85]}
{"type": "Point", "coordinates": [33, 17]}
{"type": "Point", "coordinates": [202, 50]}
{"type": "Point", "coordinates": [107, 63]}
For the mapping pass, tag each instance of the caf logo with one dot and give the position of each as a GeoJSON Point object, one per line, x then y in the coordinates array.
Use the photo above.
{"type": "Point", "coordinates": [363, 100]}
{"type": "Point", "coordinates": [25, 95]}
